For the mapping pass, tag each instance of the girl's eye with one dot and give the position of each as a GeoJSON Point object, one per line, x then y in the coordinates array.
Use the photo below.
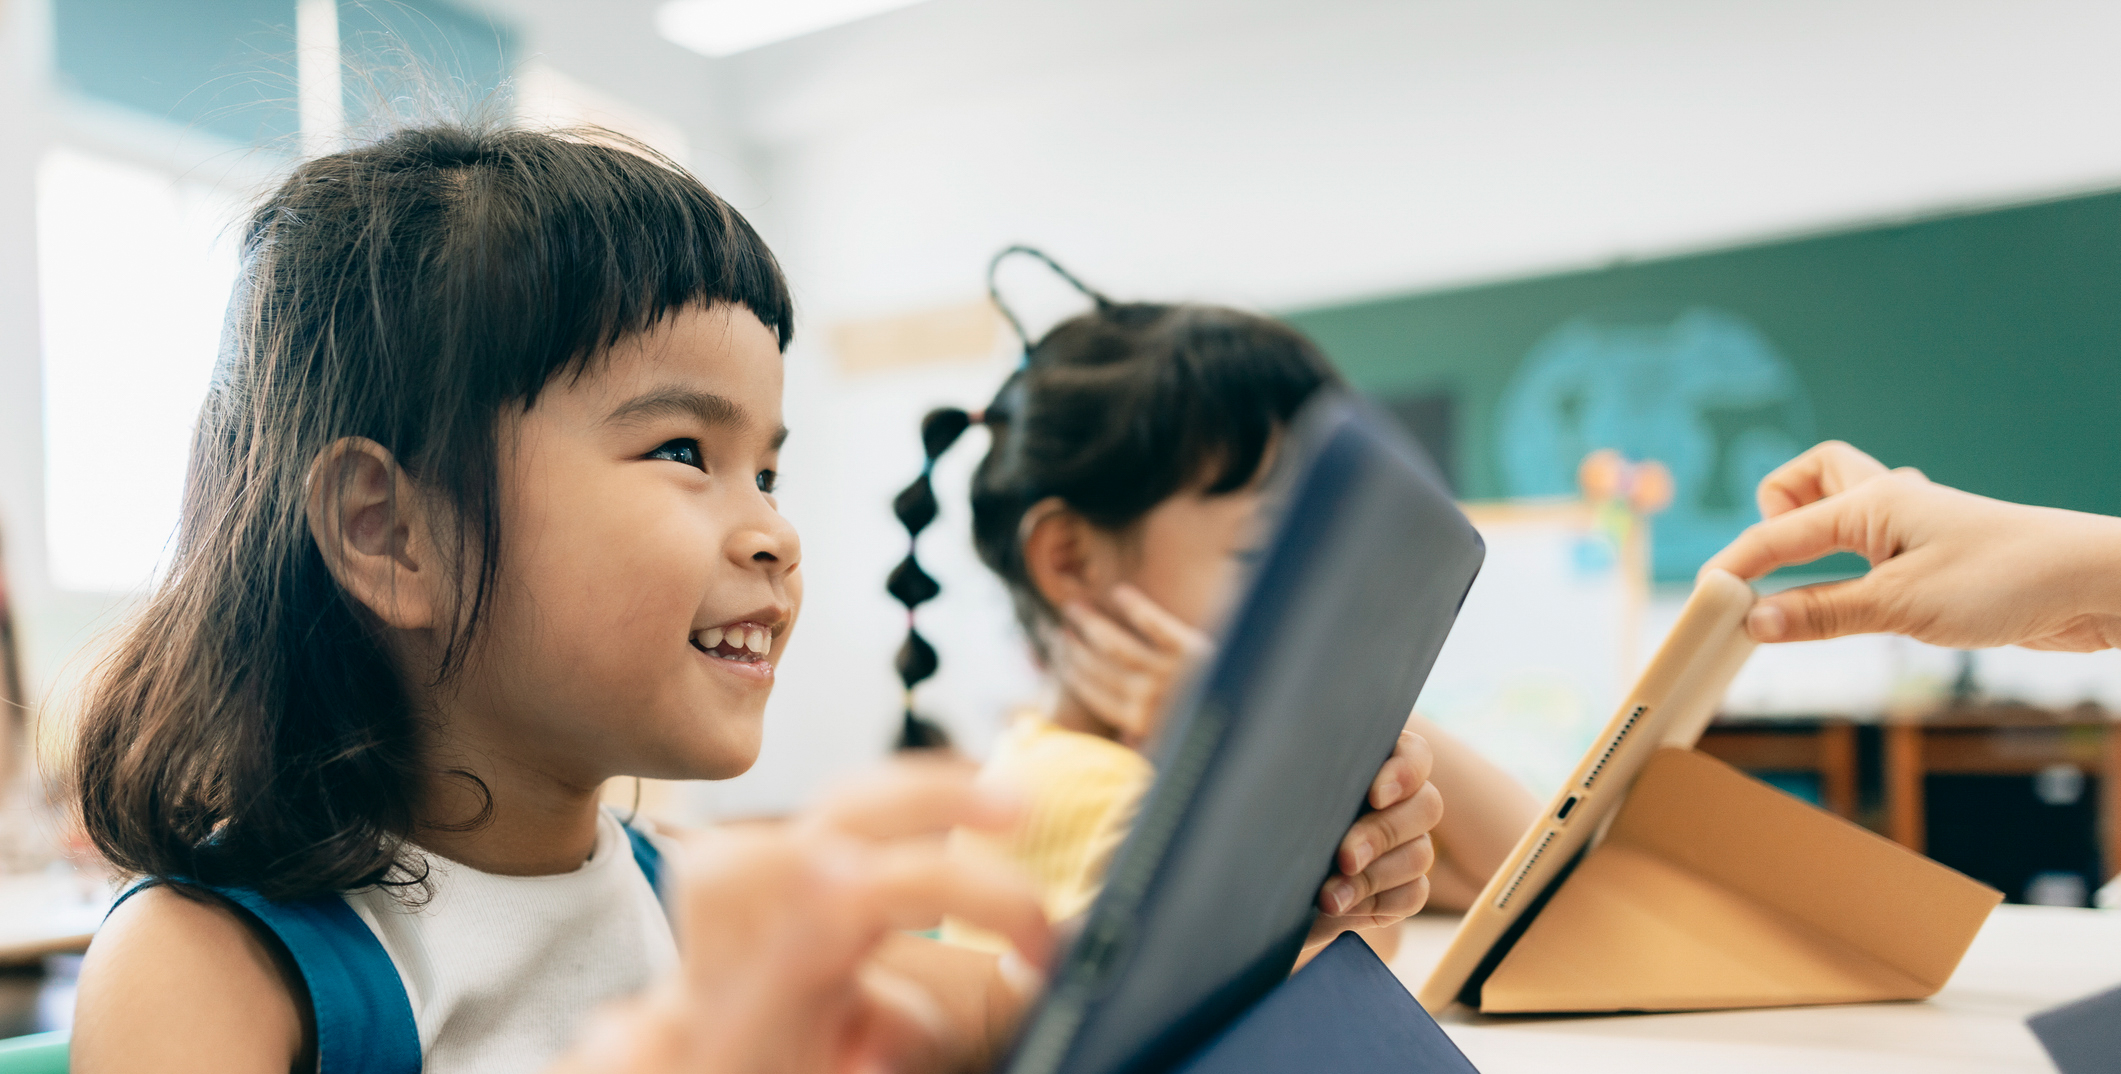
{"type": "Point", "coordinates": [685, 452]}
{"type": "Point", "coordinates": [767, 480]}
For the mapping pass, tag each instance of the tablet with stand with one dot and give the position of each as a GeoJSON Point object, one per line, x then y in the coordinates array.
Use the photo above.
{"type": "Point", "coordinates": [1263, 763]}
{"type": "Point", "coordinates": [1662, 879]}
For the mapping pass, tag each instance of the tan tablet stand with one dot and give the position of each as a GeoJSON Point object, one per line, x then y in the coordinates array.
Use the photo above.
{"type": "Point", "coordinates": [1714, 890]}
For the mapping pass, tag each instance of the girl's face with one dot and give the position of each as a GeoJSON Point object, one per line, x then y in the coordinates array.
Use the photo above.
{"type": "Point", "coordinates": [648, 582]}
{"type": "Point", "coordinates": [1186, 553]}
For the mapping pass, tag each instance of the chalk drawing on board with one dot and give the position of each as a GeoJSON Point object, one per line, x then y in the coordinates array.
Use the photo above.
{"type": "Point", "coordinates": [1704, 392]}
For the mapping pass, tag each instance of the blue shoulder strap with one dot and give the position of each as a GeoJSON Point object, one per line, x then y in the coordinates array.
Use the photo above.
{"type": "Point", "coordinates": [648, 858]}
{"type": "Point", "coordinates": [364, 1020]}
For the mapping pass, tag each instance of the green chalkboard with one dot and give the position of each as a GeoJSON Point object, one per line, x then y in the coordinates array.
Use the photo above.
{"type": "Point", "coordinates": [1984, 348]}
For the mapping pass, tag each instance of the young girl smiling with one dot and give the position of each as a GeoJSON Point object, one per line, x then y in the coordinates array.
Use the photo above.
{"type": "Point", "coordinates": [480, 515]}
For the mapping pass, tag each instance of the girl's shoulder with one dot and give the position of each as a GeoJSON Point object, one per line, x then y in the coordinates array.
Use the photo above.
{"type": "Point", "coordinates": [181, 981]}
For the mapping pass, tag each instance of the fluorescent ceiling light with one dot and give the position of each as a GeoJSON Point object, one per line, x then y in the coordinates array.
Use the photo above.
{"type": "Point", "coordinates": [726, 27]}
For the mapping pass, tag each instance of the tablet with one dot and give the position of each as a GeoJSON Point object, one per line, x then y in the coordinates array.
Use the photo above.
{"type": "Point", "coordinates": [1268, 755]}
{"type": "Point", "coordinates": [1670, 705]}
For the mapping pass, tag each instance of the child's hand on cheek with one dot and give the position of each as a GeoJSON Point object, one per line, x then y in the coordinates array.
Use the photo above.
{"type": "Point", "coordinates": [1124, 670]}
{"type": "Point", "coordinates": [1381, 870]}
{"type": "Point", "coordinates": [779, 925]}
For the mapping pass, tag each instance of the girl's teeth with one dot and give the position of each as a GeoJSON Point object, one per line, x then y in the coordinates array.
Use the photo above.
{"type": "Point", "coordinates": [755, 641]}
{"type": "Point", "coordinates": [710, 637]}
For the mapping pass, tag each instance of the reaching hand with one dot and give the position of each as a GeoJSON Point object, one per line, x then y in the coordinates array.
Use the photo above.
{"type": "Point", "coordinates": [779, 927]}
{"type": "Point", "coordinates": [1947, 567]}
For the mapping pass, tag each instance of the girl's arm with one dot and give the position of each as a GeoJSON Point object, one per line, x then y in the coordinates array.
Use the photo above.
{"type": "Point", "coordinates": [175, 984]}
{"type": "Point", "coordinates": [1485, 813]}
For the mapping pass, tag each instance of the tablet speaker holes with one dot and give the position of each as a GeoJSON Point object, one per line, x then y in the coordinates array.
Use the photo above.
{"type": "Point", "coordinates": [1619, 737]}
{"type": "Point", "coordinates": [1531, 860]}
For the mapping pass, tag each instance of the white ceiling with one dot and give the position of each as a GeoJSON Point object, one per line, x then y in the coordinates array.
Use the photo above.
{"type": "Point", "coordinates": [1281, 152]}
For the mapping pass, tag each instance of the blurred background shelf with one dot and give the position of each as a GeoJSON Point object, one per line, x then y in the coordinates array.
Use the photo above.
{"type": "Point", "coordinates": [1811, 758]}
{"type": "Point", "coordinates": [2022, 797]}
{"type": "Point", "coordinates": [2025, 798]}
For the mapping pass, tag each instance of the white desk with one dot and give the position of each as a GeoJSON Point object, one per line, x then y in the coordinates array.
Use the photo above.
{"type": "Point", "coordinates": [2026, 958]}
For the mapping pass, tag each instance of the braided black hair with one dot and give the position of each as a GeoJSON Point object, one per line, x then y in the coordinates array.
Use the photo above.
{"type": "Point", "coordinates": [1113, 412]}
{"type": "Point", "coordinates": [915, 507]}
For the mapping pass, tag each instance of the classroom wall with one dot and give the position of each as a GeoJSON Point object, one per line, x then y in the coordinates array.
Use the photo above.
{"type": "Point", "coordinates": [1272, 154]}
{"type": "Point", "coordinates": [1289, 157]}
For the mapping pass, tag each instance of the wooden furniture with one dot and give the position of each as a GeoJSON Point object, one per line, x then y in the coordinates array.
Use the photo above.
{"type": "Point", "coordinates": [2026, 958]}
{"type": "Point", "coordinates": [2000, 739]}
{"type": "Point", "coordinates": [1825, 746]}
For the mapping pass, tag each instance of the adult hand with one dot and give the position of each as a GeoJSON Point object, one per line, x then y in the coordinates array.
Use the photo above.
{"type": "Point", "coordinates": [1124, 666]}
{"type": "Point", "coordinates": [779, 927]}
{"type": "Point", "coordinates": [1947, 567]}
{"type": "Point", "coordinates": [1381, 870]}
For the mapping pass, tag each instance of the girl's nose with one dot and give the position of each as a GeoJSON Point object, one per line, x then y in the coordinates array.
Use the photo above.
{"type": "Point", "coordinates": [768, 542]}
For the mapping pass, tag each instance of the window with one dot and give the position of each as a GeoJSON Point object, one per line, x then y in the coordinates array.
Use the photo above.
{"type": "Point", "coordinates": [134, 272]}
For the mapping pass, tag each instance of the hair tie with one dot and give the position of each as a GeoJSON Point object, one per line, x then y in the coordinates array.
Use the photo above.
{"type": "Point", "coordinates": [994, 292]}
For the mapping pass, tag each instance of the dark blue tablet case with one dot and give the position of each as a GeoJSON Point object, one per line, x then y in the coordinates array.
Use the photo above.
{"type": "Point", "coordinates": [1344, 1011]}
{"type": "Point", "coordinates": [1267, 758]}
{"type": "Point", "coordinates": [2082, 1036]}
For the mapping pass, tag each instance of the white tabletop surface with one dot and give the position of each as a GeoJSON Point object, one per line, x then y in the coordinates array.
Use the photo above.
{"type": "Point", "coordinates": [2027, 958]}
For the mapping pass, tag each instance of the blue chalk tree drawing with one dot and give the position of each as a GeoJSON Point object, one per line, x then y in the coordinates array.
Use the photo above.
{"type": "Point", "coordinates": [1705, 393]}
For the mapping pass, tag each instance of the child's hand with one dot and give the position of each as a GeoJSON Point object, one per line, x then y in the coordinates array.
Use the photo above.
{"type": "Point", "coordinates": [779, 926]}
{"type": "Point", "coordinates": [1381, 870]}
{"type": "Point", "coordinates": [1123, 671]}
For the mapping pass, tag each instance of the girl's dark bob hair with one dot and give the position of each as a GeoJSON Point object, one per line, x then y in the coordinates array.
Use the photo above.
{"type": "Point", "coordinates": [249, 728]}
{"type": "Point", "coordinates": [1113, 412]}
{"type": "Point", "coordinates": [1121, 408]}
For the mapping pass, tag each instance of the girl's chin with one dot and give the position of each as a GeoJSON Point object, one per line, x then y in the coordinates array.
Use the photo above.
{"type": "Point", "coordinates": [714, 758]}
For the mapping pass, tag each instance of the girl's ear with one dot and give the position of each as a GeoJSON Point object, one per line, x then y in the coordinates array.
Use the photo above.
{"type": "Point", "coordinates": [363, 514]}
{"type": "Point", "coordinates": [1069, 560]}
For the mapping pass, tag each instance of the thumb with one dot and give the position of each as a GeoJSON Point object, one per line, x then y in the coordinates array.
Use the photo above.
{"type": "Point", "coordinates": [1814, 612]}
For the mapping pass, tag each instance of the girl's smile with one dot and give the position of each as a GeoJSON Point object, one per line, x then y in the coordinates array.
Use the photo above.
{"type": "Point", "coordinates": [745, 647]}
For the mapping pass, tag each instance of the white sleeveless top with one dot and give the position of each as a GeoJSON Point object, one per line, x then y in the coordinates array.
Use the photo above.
{"type": "Point", "coordinates": [501, 971]}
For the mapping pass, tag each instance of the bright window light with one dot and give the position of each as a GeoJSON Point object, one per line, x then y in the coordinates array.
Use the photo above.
{"type": "Point", "coordinates": [725, 27]}
{"type": "Point", "coordinates": [133, 273]}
